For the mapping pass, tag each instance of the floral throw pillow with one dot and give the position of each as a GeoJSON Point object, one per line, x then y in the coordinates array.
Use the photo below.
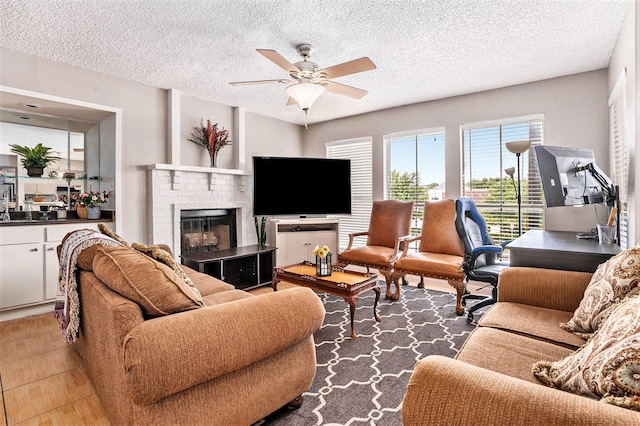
{"type": "Point", "coordinates": [607, 367]}
{"type": "Point", "coordinates": [614, 280]}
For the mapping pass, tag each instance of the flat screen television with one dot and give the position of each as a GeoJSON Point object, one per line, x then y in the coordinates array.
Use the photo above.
{"type": "Point", "coordinates": [293, 186]}
{"type": "Point", "coordinates": [570, 177]}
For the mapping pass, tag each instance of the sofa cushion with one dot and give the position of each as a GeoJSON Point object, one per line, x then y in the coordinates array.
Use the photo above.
{"type": "Point", "coordinates": [608, 366]}
{"type": "Point", "coordinates": [614, 280]}
{"type": "Point", "coordinates": [206, 284]}
{"type": "Point", "coordinates": [532, 321]}
{"type": "Point", "coordinates": [154, 286]}
{"type": "Point", "coordinates": [507, 353]}
{"type": "Point", "coordinates": [225, 297]}
{"type": "Point", "coordinates": [165, 258]}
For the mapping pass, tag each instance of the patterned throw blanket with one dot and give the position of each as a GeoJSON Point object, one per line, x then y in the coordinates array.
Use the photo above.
{"type": "Point", "coordinates": [68, 302]}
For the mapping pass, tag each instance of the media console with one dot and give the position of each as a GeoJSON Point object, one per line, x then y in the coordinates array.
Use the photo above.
{"type": "Point", "coordinates": [295, 239]}
{"type": "Point", "coordinates": [244, 267]}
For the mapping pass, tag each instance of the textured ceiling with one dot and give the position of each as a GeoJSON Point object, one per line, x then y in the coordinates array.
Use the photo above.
{"type": "Point", "coordinates": [423, 50]}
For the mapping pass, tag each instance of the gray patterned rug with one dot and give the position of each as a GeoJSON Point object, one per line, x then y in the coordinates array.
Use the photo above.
{"type": "Point", "coordinates": [363, 381]}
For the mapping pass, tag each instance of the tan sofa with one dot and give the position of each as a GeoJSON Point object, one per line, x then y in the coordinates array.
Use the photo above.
{"type": "Point", "coordinates": [491, 381]}
{"type": "Point", "coordinates": [231, 362]}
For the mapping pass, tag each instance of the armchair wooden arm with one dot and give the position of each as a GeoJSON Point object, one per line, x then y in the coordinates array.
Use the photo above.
{"type": "Point", "coordinates": [355, 234]}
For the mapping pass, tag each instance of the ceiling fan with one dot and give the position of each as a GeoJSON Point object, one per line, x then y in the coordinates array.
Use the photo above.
{"type": "Point", "coordinates": [309, 82]}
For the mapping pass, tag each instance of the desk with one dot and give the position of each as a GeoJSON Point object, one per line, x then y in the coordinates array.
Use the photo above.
{"type": "Point", "coordinates": [559, 250]}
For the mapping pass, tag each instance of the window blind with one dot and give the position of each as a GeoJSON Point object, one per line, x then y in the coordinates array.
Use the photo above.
{"type": "Point", "coordinates": [360, 152]}
{"type": "Point", "coordinates": [485, 158]}
{"type": "Point", "coordinates": [619, 150]}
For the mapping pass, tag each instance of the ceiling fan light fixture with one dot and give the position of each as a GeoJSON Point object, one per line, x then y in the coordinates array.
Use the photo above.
{"type": "Point", "coordinates": [305, 94]}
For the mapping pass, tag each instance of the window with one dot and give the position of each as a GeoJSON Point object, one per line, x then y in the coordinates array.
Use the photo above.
{"type": "Point", "coordinates": [485, 157]}
{"type": "Point", "coordinates": [359, 151]}
{"type": "Point", "coordinates": [619, 150]}
{"type": "Point", "coordinates": [415, 169]}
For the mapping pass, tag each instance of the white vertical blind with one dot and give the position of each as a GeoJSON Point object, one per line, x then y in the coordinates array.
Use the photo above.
{"type": "Point", "coordinates": [619, 150]}
{"type": "Point", "coordinates": [360, 152]}
{"type": "Point", "coordinates": [485, 157]}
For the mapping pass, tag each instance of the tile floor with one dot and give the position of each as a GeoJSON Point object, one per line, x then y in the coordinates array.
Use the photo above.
{"type": "Point", "coordinates": [43, 380]}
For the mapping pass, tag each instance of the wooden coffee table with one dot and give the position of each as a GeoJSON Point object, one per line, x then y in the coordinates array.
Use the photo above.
{"type": "Point", "coordinates": [341, 282]}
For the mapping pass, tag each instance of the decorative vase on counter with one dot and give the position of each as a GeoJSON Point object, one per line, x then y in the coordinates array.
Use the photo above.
{"type": "Point", "coordinates": [93, 212]}
{"type": "Point", "coordinates": [82, 211]}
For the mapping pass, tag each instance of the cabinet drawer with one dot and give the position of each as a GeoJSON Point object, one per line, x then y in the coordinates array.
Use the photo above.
{"type": "Point", "coordinates": [21, 234]}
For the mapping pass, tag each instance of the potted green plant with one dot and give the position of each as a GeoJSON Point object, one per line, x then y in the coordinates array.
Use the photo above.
{"type": "Point", "coordinates": [34, 159]}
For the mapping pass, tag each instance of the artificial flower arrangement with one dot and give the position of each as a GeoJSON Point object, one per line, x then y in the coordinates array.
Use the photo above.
{"type": "Point", "coordinates": [321, 252]}
{"type": "Point", "coordinates": [92, 198]}
{"type": "Point", "coordinates": [69, 201]}
{"type": "Point", "coordinates": [211, 138]}
{"type": "Point", "coordinates": [323, 260]}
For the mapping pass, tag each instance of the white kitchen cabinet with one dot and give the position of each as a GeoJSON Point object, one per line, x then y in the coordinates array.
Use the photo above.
{"type": "Point", "coordinates": [21, 274]}
{"type": "Point", "coordinates": [29, 263]}
{"type": "Point", "coordinates": [51, 268]}
{"type": "Point", "coordinates": [295, 239]}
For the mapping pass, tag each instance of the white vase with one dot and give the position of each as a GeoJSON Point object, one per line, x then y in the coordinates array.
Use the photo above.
{"type": "Point", "coordinates": [93, 212]}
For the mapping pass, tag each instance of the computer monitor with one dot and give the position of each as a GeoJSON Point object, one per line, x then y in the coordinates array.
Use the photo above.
{"type": "Point", "coordinates": [570, 177]}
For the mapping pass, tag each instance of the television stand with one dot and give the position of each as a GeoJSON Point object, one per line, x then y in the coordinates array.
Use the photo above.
{"type": "Point", "coordinates": [244, 267]}
{"type": "Point", "coordinates": [295, 238]}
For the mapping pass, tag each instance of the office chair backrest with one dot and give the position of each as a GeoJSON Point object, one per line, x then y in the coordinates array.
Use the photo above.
{"type": "Point", "coordinates": [439, 229]}
{"type": "Point", "coordinates": [472, 230]}
{"type": "Point", "coordinates": [390, 220]}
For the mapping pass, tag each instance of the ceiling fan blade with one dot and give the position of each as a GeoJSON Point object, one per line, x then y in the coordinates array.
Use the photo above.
{"type": "Point", "coordinates": [343, 89]}
{"type": "Point", "coordinates": [351, 67]}
{"type": "Point", "coordinates": [246, 83]}
{"type": "Point", "coordinates": [278, 59]}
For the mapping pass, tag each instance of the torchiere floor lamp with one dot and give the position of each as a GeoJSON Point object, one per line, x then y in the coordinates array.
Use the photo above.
{"type": "Point", "coordinates": [517, 148]}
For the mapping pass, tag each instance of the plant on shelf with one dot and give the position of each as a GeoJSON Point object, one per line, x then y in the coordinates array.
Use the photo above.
{"type": "Point", "coordinates": [261, 231]}
{"type": "Point", "coordinates": [66, 201]}
{"type": "Point", "coordinates": [34, 159]}
{"type": "Point", "coordinates": [211, 138]}
{"type": "Point", "coordinates": [93, 198]}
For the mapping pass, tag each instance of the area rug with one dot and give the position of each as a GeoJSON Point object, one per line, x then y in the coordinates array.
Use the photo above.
{"type": "Point", "coordinates": [363, 381]}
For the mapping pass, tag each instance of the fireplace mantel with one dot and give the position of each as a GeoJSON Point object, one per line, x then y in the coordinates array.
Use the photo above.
{"type": "Point", "coordinates": [197, 169]}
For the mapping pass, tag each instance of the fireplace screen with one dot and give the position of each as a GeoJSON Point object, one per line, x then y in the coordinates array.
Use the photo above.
{"type": "Point", "coordinates": [207, 230]}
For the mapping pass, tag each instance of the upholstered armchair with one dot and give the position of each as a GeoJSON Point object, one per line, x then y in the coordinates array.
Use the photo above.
{"type": "Point", "coordinates": [440, 253]}
{"type": "Point", "coordinates": [389, 226]}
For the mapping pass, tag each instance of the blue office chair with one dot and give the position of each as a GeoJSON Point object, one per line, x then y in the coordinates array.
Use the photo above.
{"type": "Point", "coordinates": [481, 255]}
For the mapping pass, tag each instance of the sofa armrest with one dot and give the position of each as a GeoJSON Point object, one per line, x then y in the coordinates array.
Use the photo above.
{"type": "Point", "coordinates": [169, 354]}
{"type": "Point", "coordinates": [545, 288]}
{"type": "Point", "coordinates": [446, 391]}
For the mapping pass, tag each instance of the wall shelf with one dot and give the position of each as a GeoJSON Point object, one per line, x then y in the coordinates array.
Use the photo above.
{"type": "Point", "coordinates": [197, 169]}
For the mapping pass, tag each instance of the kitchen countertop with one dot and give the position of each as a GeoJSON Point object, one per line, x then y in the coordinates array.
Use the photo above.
{"type": "Point", "coordinates": [72, 217]}
{"type": "Point", "coordinates": [23, 222]}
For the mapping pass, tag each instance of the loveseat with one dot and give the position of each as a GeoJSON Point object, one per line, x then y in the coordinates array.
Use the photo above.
{"type": "Point", "coordinates": [491, 381]}
{"type": "Point", "coordinates": [232, 361]}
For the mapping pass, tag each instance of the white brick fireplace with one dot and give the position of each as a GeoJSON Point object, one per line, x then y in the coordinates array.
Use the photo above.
{"type": "Point", "coordinates": [176, 188]}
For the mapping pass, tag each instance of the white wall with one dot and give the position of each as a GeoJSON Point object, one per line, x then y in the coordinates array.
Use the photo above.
{"type": "Point", "coordinates": [575, 115]}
